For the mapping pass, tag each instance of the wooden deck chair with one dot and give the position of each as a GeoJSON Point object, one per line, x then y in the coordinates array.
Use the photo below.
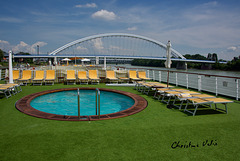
{"type": "Point", "coordinates": [142, 75]}
{"type": "Point", "coordinates": [82, 77]}
{"type": "Point", "coordinates": [71, 76]}
{"type": "Point", "coordinates": [152, 86]}
{"type": "Point", "coordinates": [133, 75]}
{"type": "Point", "coordinates": [139, 85]}
{"type": "Point", "coordinates": [220, 101]}
{"type": "Point", "coordinates": [123, 79]}
{"type": "Point", "coordinates": [110, 75]}
{"type": "Point", "coordinates": [26, 76]}
{"type": "Point", "coordinates": [196, 102]}
{"type": "Point", "coordinates": [16, 75]}
{"type": "Point", "coordinates": [182, 97]}
{"type": "Point", "coordinates": [17, 87]}
{"type": "Point", "coordinates": [5, 90]}
{"type": "Point", "coordinates": [39, 77]}
{"type": "Point", "coordinates": [159, 92]}
{"type": "Point", "coordinates": [93, 76]}
{"type": "Point", "coordinates": [50, 77]}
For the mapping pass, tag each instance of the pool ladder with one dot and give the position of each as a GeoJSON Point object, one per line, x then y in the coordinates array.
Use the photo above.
{"type": "Point", "coordinates": [97, 103]}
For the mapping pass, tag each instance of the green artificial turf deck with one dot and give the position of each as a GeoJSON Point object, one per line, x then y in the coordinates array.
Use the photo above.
{"type": "Point", "coordinates": [150, 135]}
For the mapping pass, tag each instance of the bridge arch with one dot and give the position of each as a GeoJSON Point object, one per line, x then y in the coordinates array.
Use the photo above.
{"type": "Point", "coordinates": [96, 42]}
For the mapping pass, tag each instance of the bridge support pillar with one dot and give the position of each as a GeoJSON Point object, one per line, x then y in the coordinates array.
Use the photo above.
{"type": "Point", "coordinates": [55, 60]}
{"type": "Point", "coordinates": [181, 65]}
{"type": "Point", "coordinates": [97, 60]}
{"type": "Point", "coordinates": [105, 63]}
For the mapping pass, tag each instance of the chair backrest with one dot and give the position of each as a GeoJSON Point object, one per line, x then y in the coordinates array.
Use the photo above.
{"type": "Point", "coordinates": [110, 74]}
{"type": "Point", "coordinates": [39, 74]}
{"type": "Point", "coordinates": [50, 74]}
{"type": "Point", "coordinates": [26, 74]}
{"type": "Point", "coordinates": [132, 74]}
{"type": "Point", "coordinates": [82, 74]}
{"type": "Point", "coordinates": [71, 74]}
{"type": "Point", "coordinates": [92, 74]}
{"type": "Point", "coordinates": [142, 74]}
{"type": "Point", "coordinates": [15, 74]}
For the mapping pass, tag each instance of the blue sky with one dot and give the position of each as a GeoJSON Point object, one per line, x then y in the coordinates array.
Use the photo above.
{"type": "Point", "coordinates": [192, 26]}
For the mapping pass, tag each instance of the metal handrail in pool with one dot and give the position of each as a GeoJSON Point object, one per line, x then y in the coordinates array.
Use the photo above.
{"type": "Point", "coordinates": [98, 102]}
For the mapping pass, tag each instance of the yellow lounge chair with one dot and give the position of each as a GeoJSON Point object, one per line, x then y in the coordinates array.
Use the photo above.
{"type": "Point", "coordinates": [50, 77]}
{"type": "Point", "coordinates": [82, 77]}
{"type": "Point", "coordinates": [39, 76]}
{"type": "Point", "coordinates": [71, 76]}
{"type": "Point", "coordinates": [16, 75]}
{"type": "Point", "coordinates": [142, 75]}
{"type": "Point", "coordinates": [26, 76]}
{"type": "Point", "coordinates": [93, 76]}
{"type": "Point", "coordinates": [133, 75]}
{"type": "Point", "coordinates": [110, 75]}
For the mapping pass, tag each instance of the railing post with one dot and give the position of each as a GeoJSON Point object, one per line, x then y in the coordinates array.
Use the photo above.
{"type": "Point", "coordinates": [187, 80]}
{"type": "Point", "coordinates": [176, 80]}
{"type": "Point", "coordinates": [159, 73]}
{"type": "Point", "coordinates": [237, 89]}
{"type": "Point", "coordinates": [216, 86]}
{"type": "Point", "coordinates": [199, 83]}
{"type": "Point", "coordinates": [153, 75]}
{"type": "Point", "coordinates": [148, 73]}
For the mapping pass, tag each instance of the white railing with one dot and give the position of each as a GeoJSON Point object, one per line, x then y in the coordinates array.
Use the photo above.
{"type": "Point", "coordinates": [217, 84]}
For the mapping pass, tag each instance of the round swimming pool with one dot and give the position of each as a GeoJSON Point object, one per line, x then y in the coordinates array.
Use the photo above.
{"type": "Point", "coordinates": [62, 104]}
{"type": "Point", "coordinates": [66, 102]}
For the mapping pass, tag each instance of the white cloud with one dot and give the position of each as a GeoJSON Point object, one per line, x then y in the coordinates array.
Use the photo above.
{"type": "Point", "coordinates": [98, 44]}
{"type": "Point", "coordinates": [10, 20]}
{"type": "Point", "coordinates": [88, 5]}
{"type": "Point", "coordinates": [21, 47]}
{"type": "Point", "coordinates": [210, 4]}
{"type": "Point", "coordinates": [81, 48]}
{"type": "Point", "coordinates": [132, 28]}
{"type": "Point", "coordinates": [232, 48]}
{"type": "Point", "coordinates": [39, 43]}
{"type": "Point", "coordinates": [4, 45]}
{"type": "Point", "coordinates": [104, 15]}
{"type": "Point", "coordinates": [114, 47]}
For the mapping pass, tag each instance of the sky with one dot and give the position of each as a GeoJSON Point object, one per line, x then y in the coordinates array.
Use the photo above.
{"type": "Point", "coordinates": [194, 27]}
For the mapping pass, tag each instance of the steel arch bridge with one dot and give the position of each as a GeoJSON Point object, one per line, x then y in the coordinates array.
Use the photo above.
{"type": "Point", "coordinates": [119, 45]}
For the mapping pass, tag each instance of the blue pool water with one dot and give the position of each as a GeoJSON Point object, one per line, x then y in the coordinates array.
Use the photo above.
{"type": "Point", "coordinates": [66, 102]}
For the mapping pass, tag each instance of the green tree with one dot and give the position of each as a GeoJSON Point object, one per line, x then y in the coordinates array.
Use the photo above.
{"type": "Point", "coordinates": [1, 54]}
